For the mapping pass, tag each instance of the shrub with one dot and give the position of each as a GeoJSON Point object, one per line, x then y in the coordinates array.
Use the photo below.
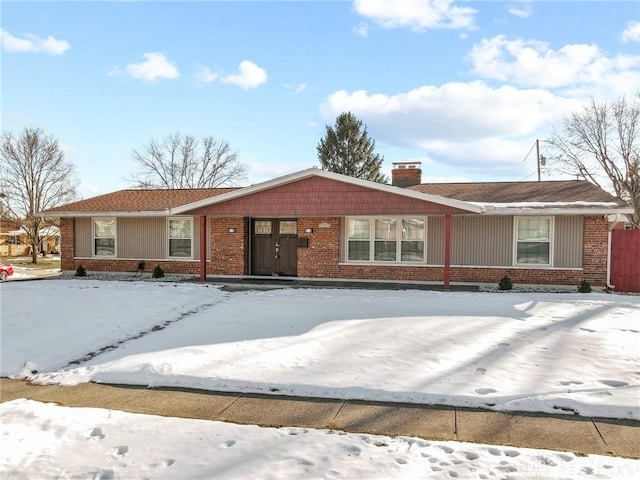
{"type": "Point", "coordinates": [157, 272]}
{"type": "Point", "coordinates": [505, 283]}
{"type": "Point", "coordinates": [584, 287]}
{"type": "Point", "coordinates": [80, 271]}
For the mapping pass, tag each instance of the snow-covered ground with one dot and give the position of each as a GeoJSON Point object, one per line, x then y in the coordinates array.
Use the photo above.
{"type": "Point", "coordinates": [46, 441]}
{"type": "Point", "coordinates": [557, 353]}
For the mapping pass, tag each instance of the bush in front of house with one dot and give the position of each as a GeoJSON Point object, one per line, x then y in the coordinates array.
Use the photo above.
{"type": "Point", "coordinates": [80, 271]}
{"type": "Point", "coordinates": [584, 287]}
{"type": "Point", "coordinates": [157, 272]}
{"type": "Point", "coordinates": [505, 283]}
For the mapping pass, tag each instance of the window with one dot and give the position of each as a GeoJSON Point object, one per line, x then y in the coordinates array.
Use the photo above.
{"type": "Point", "coordinates": [359, 240]}
{"type": "Point", "coordinates": [180, 237]}
{"type": "Point", "coordinates": [288, 227]}
{"type": "Point", "coordinates": [104, 237]}
{"type": "Point", "coordinates": [262, 227]}
{"type": "Point", "coordinates": [533, 241]}
{"type": "Point", "coordinates": [386, 239]}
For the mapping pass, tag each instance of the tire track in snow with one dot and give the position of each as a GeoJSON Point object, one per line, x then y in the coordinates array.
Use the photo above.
{"type": "Point", "coordinates": [156, 328]}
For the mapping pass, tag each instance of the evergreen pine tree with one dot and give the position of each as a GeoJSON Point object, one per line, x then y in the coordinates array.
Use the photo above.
{"type": "Point", "coordinates": [347, 149]}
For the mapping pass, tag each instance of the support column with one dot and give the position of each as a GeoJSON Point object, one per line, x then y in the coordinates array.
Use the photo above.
{"type": "Point", "coordinates": [447, 251]}
{"type": "Point", "coordinates": [203, 248]}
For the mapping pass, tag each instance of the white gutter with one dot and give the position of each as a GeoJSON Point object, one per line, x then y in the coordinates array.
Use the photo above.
{"type": "Point", "coordinates": [155, 213]}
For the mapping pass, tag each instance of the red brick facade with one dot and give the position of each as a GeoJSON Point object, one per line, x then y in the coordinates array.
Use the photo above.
{"type": "Point", "coordinates": [321, 259]}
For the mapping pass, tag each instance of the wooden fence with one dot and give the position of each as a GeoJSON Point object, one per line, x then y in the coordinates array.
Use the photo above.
{"type": "Point", "coordinates": [625, 260]}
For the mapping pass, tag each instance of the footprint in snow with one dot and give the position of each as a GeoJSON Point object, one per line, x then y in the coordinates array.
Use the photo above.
{"type": "Point", "coordinates": [470, 455]}
{"type": "Point", "coordinates": [484, 391]}
{"type": "Point", "coordinates": [229, 443]}
{"type": "Point", "coordinates": [119, 451]}
{"type": "Point", "coordinates": [614, 383]}
{"type": "Point", "coordinates": [480, 371]}
{"type": "Point", "coordinates": [96, 434]}
{"type": "Point", "coordinates": [570, 382]}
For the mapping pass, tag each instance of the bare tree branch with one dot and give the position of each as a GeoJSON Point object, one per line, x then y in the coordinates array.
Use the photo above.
{"type": "Point", "coordinates": [602, 145]}
{"type": "Point", "coordinates": [34, 176]}
{"type": "Point", "coordinates": [184, 162]}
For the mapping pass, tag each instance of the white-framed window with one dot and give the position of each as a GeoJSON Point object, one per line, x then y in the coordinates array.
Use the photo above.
{"type": "Point", "coordinates": [398, 240]}
{"type": "Point", "coordinates": [104, 237]}
{"type": "Point", "coordinates": [180, 237]}
{"type": "Point", "coordinates": [533, 241]}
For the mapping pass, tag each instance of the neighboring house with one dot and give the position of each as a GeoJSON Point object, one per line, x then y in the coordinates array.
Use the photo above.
{"type": "Point", "coordinates": [317, 224]}
{"type": "Point", "coordinates": [14, 240]}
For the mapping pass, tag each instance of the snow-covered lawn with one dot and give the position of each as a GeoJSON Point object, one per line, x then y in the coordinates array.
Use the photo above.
{"type": "Point", "coordinates": [559, 353]}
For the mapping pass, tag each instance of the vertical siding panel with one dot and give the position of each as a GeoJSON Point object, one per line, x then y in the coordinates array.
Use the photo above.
{"type": "Point", "coordinates": [567, 248]}
{"type": "Point", "coordinates": [142, 237]}
{"type": "Point", "coordinates": [480, 240]}
{"type": "Point", "coordinates": [435, 240]}
{"type": "Point", "coordinates": [83, 236]}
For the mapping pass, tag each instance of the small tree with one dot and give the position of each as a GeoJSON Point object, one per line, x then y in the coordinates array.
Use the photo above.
{"type": "Point", "coordinates": [34, 176]}
{"type": "Point", "coordinates": [347, 149]}
{"type": "Point", "coordinates": [602, 145]}
{"type": "Point", "coordinates": [184, 162]}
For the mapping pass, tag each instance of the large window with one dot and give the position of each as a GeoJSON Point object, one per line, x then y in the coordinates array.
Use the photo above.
{"type": "Point", "coordinates": [180, 237]}
{"type": "Point", "coordinates": [385, 239]}
{"type": "Point", "coordinates": [104, 237]}
{"type": "Point", "coordinates": [533, 241]}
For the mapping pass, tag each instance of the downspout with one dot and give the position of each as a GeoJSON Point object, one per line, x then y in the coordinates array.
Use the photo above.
{"type": "Point", "coordinates": [612, 224]}
{"type": "Point", "coordinates": [447, 252]}
{"type": "Point", "coordinates": [203, 248]}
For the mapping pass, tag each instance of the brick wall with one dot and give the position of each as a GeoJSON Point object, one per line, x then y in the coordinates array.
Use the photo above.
{"type": "Point", "coordinates": [321, 259]}
{"type": "Point", "coordinates": [595, 250]}
{"type": "Point", "coordinates": [228, 250]}
{"type": "Point", "coordinates": [67, 243]}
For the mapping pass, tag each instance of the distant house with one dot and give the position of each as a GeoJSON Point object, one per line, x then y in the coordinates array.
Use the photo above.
{"type": "Point", "coordinates": [317, 224]}
{"type": "Point", "coordinates": [14, 239]}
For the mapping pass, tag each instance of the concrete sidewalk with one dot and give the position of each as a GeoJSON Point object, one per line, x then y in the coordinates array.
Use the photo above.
{"type": "Point", "coordinates": [555, 432]}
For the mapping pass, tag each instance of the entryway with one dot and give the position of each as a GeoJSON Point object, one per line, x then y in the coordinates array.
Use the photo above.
{"type": "Point", "coordinates": [274, 246]}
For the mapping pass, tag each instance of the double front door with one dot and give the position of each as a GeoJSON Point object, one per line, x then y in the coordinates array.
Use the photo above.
{"type": "Point", "coordinates": [274, 247]}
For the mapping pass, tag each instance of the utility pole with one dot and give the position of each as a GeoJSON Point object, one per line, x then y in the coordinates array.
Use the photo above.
{"type": "Point", "coordinates": [540, 158]}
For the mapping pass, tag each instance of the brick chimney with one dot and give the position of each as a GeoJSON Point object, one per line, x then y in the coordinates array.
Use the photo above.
{"type": "Point", "coordinates": [406, 174]}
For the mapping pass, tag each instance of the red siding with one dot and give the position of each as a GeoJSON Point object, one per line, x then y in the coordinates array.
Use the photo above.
{"type": "Point", "coordinates": [322, 196]}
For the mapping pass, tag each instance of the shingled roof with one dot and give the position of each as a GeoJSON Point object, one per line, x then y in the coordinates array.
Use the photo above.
{"type": "Point", "coordinates": [139, 200]}
{"type": "Point", "coordinates": [561, 191]}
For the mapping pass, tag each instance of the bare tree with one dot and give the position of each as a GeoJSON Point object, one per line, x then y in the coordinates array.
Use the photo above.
{"type": "Point", "coordinates": [602, 145]}
{"type": "Point", "coordinates": [34, 176]}
{"type": "Point", "coordinates": [184, 162]}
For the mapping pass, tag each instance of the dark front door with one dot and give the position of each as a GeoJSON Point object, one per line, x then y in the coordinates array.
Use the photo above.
{"type": "Point", "coordinates": [274, 247]}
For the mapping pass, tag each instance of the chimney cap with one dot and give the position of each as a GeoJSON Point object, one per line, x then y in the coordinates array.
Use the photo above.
{"type": "Point", "coordinates": [404, 165]}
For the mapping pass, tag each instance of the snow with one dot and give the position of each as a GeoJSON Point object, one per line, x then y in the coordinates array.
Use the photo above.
{"type": "Point", "coordinates": [545, 352]}
{"type": "Point", "coordinates": [44, 441]}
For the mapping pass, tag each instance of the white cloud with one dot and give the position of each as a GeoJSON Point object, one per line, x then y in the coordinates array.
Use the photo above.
{"type": "Point", "coordinates": [361, 29]}
{"type": "Point", "coordinates": [32, 44]}
{"type": "Point", "coordinates": [473, 125]}
{"type": "Point", "coordinates": [522, 9]}
{"type": "Point", "coordinates": [301, 88]}
{"type": "Point", "coordinates": [155, 66]}
{"type": "Point", "coordinates": [419, 15]}
{"type": "Point", "coordinates": [532, 63]}
{"type": "Point", "coordinates": [205, 75]}
{"type": "Point", "coordinates": [250, 76]}
{"type": "Point", "coordinates": [632, 32]}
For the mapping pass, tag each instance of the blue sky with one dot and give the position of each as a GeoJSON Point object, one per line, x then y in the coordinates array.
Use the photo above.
{"type": "Point", "coordinates": [465, 87]}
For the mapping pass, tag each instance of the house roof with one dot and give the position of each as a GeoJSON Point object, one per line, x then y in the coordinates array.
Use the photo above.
{"type": "Point", "coordinates": [507, 198]}
{"type": "Point", "coordinates": [568, 191]}
{"type": "Point", "coordinates": [134, 201]}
